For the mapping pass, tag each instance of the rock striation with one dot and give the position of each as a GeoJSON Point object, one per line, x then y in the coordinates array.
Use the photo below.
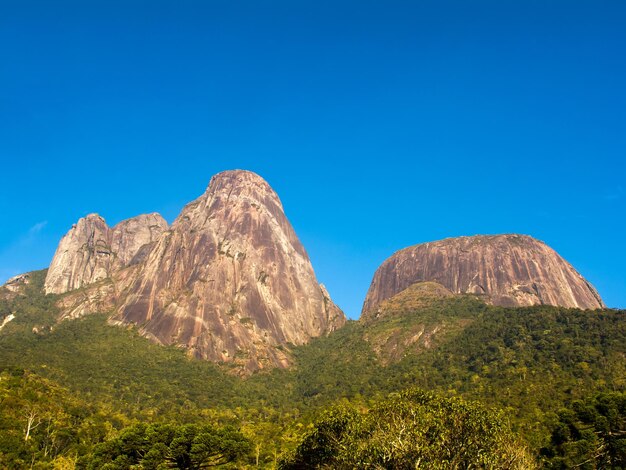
{"type": "Point", "coordinates": [509, 270]}
{"type": "Point", "coordinates": [91, 251]}
{"type": "Point", "coordinates": [229, 280]}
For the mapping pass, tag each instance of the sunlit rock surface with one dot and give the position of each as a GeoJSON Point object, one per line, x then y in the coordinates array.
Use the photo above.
{"type": "Point", "coordinates": [510, 270]}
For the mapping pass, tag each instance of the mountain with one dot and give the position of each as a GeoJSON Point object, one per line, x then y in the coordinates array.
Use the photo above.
{"type": "Point", "coordinates": [508, 270]}
{"type": "Point", "coordinates": [229, 280]}
{"type": "Point", "coordinates": [91, 251]}
{"type": "Point", "coordinates": [14, 286]}
{"type": "Point", "coordinates": [527, 361]}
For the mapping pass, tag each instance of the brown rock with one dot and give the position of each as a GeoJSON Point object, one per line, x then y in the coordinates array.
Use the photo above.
{"type": "Point", "coordinates": [14, 286]}
{"type": "Point", "coordinates": [91, 251]}
{"type": "Point", "coordinates": [230, 281]}
{"type": "Point", "coordinates": [511, 270]}
{"type": "Point", "coordinates": [132, 235]}
{"type": "Point", "coordinates": [17, 283]}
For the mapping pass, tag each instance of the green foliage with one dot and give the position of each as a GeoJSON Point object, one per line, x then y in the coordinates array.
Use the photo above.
{"type": "Point", "coordinates": [109, 363]}
{"type": "Point", "coordinates": [32, 308]}
{"type": "Point", "coordinates": [168, 446]}
{"type": "Point", "coordinates": [530, 362]}
{"type": "Point", "coordinates": [590, 434]}
{"type": "Point", "coordinates": [44, 423]}
{"type": "Point", "coordinates": [414, 429]}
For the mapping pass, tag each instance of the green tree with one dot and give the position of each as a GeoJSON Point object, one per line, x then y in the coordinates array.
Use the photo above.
{"type": "Point", "coordinates": [159, 446]}
{"type": "Point", "coordinates": [590, 434]}
{"type": "Point", "coordinates": [414, 429]}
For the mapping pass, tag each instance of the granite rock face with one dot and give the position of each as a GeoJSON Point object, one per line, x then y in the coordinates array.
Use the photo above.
{"type": "Point", "coordinates": [17, 283]}
{"type": "Point", "coordinates": [229, 280]}
{"type": "Point", "coordinates": [91, 251]}
{"type": "Point", "coordinates": [510, 270]}
{"type": "Point", "coordinates": [14, 286]}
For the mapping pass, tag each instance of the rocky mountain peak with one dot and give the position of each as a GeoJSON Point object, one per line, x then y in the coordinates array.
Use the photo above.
{"type": "Point", "coordinates": [17, 283]}
{"type": "Point", "coordinates": [245, 184]}
{"type": "Point", "coordinates": [233, 205]}
{"type": "Point", "coordinates": [136, 234]}
{"type": "Point", "coordinates": [229, 280]}
{"type": "Point", "coordinates": [91, 251]}
{"type": "Point", "coordinates": [509, 270]}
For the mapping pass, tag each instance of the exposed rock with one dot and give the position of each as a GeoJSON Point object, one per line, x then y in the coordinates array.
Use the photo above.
{"type": "Point", "coordinates": [6, 320]}
{"type": "Point", "coordinates": [230, 281]}
{"type": "Point", "coordinates": [99, 297]}
{"type": "Point", "coordinates": [91, 251]}
{"type": "Point", "coordinates": [17, 283]}
{"type": "Point", "coordinates": [510, 270]}
{"type": "Point", "coordinates": [130, 236]}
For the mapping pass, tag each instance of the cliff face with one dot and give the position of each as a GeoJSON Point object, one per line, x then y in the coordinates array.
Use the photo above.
{"type": "Point", "coordinates": [229, 280]}
{"type": "Point", "coordinates": [511, 270]}
{"type": "Point", "coordinates": [17, 283]}
{"type": "Point", "coordinates": [15, 286]}
{"type": "Point", "coordinates": [91, 251]}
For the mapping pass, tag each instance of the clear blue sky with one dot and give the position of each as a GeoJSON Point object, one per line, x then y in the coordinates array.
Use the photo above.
{"type": "Point", "coordinates": [380, 124]}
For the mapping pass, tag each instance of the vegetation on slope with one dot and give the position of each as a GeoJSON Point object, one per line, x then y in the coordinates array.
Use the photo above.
{"type": "Point", "coordinates": [413, 429]}
{"type": "Point", "coordinates": [590, 433]}
{"type": "Point", "coordinates": [41, 422]}
{"type": "Point", "coordinates": [529, 362]}
{"type": "Point", "coordinates": [160, 446]}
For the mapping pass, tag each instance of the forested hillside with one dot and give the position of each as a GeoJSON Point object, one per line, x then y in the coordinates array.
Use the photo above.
{"type": "Point", "coordinates": [68, 388]}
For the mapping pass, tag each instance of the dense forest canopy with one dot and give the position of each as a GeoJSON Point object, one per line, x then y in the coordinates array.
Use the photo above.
{"type": "Point", "coordinates": [84, 394]}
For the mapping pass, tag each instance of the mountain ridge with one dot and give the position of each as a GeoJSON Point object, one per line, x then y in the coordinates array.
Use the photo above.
{"type": "Point", "coordinates": [92, 251]}
{"type": "Point", "coordinates": [229, 280]}
{"type": "Point", "coordinates": [510, 269]}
